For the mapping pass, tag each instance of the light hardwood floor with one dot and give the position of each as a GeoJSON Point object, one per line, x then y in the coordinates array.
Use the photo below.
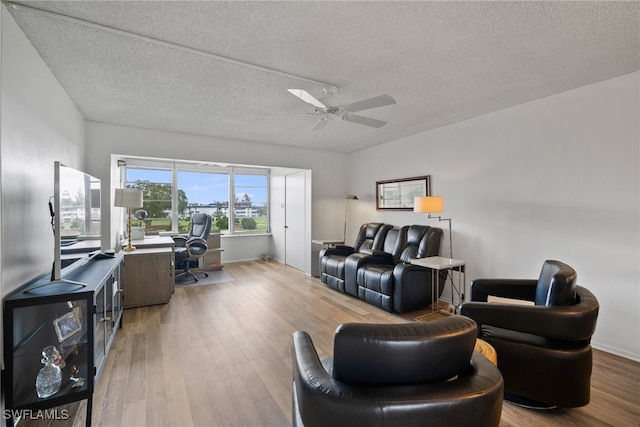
{"type": "Point", "coordinates": [220, 355]}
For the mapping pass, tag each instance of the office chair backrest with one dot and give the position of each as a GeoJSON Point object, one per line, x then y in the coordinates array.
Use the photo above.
{"type": "Point", "coordinates": [200, 226]}
{"type": "Point", "coordinates": [556, 285]}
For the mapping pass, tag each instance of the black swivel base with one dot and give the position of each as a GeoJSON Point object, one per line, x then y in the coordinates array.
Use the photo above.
{"type": "Point", "coordinates": [191, 273]}
{"type": "Point", "coordinates": [527, 403]}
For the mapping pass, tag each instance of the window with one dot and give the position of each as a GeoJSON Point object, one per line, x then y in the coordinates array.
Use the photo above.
{"type": "Point", "coordinates": [204, 192]}
{"type": "Point", "coordinates": [237, 198]}
{"type": "Point", "coordinates": [250, 205]}
{"type": "Point", "coordinates": [156, 195]}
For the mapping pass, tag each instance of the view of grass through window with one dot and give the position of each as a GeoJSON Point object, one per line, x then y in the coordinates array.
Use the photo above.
{"type": "Point", "coordinates": [201, 192]}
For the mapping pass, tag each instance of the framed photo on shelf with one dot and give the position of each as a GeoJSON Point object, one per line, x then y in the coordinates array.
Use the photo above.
{"type": "Point", "coordinates": [398, 194]}
{"type": "Point", "coordinates": [67, 325]}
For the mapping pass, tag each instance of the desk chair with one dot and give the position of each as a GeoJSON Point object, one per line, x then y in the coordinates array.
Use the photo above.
{"type": "Point", "coordinates": [193, 247]}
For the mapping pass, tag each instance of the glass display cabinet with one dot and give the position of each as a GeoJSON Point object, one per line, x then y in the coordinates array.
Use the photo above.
{"type": "Point", "coordinates": [57, 335]}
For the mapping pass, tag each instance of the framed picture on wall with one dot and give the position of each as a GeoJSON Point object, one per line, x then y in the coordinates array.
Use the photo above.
{"type": "Point", "coordinates": [398, 194]}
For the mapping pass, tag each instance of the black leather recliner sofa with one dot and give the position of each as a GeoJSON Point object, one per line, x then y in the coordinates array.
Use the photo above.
{"type": "Point", "coordinates": [391, 282]}
{"type": "Point", "coordinates": [413, 374]}
{"type": "Point", "coordinates": [380, 270]}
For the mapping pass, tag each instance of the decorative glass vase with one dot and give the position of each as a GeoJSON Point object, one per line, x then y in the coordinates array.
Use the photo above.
{"type": "Point", "coordinates": [49, 378]}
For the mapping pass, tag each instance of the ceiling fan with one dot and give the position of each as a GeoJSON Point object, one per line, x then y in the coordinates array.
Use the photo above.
{"type": "Point", "coordinates": [344, 112]}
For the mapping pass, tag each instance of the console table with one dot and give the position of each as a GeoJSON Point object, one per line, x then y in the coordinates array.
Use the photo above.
{"type": "Point", "coordinates": [437, 263]}
{"type": "Point", "coordinates": [327, 242]}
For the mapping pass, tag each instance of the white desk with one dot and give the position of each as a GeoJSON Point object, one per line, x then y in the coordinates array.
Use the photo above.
{"type": "Point", "coordinates": [328, 242]}
{"type": "Point", "coordinates": [151, 242]}
{"type": "Point", "coordinates": [437, 263]}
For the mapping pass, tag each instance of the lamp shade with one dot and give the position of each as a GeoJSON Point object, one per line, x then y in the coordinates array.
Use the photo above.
{"type": "Point", "coordinates": [352, 197]}
{"type": "Point", "coordinates": [128, 198]}
{"type": "Point", "coordinates": [429, 204]}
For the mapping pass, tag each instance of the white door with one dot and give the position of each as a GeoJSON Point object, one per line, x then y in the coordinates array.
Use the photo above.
{"type": "Point", "coordinates": [295, 220]}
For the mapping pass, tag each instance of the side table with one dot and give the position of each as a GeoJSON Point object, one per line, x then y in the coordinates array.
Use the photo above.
{"type": "Point", "coordinates": [487, 350]}
{"type": "Point", "coordinates": [327, 242]}
{"type": "Point", "coordinates": [437, 263]}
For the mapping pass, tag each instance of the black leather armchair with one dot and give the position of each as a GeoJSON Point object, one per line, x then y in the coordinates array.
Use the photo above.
{"type": "Point", "coordinates": [332, 260]}
{"type": "Point", "coordinates": [410, 374]}
{"type": "Point", "coordinates": [391, 282]}
{"type": "Point", "coordinates": [544, 350]}
{"type": "Point", "coordinates": [193, 246]}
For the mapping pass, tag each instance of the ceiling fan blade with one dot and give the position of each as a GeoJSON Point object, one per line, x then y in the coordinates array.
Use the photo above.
{"type": "Point", "coordinates": [366, 104]}
{"type": "Point", "coordinates": [307, 97]}
{"type": "Point", "coordinates": [321, 124]}
{"type": "Point", "coordinates": [368, 121]}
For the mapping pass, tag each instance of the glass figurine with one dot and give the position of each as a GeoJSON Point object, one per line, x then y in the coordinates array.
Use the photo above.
{"type": "Point", "coordinates": [49, 378]}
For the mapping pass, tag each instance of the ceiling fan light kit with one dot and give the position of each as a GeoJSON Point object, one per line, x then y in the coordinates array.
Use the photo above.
{"type": "Point", "coordinates": [344, 112]}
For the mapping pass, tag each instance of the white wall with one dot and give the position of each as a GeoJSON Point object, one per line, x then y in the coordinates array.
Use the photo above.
{"type": "Point", "coordinates": [40, 124]}
{"type": "Point", "coordinates": [329, 171]}
{"type": "Point", "coordinates": [556, 178]}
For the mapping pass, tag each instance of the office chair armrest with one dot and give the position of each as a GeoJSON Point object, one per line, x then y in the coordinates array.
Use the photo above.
{"type": "Point", "coordinates": [180, 241]}
{"type": "Point", "coordinates": [196, 246]}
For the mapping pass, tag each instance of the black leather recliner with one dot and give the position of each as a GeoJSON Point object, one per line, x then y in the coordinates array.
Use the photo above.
{"type": "Point", "coordinates": [395, 240]}
{"type": "Point", "coordinates": [544, 350]}
{"type": "Point", "coordinates": [391, 282]}
{"type": "Point", "coordinates": [332, 260]}
{"type": "Point", "coordinates": [413, 374]}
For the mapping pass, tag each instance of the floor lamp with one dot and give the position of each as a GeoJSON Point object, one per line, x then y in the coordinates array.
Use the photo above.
{"type": "Point", "coordinates": [349, 198]}
{"type": "Point", "coordinates": [433, 204]}
{"type": "Point", "coordinates": [128, 198]}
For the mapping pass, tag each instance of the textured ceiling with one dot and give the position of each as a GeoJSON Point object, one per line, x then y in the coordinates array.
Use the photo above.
{"type": "Point", "coordinates": [441, 61]}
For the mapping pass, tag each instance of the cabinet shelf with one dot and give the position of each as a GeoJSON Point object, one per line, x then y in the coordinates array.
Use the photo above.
{"type": "Point", "coordinates": [79, 321]}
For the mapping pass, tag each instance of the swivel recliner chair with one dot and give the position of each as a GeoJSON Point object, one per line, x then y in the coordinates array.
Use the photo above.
{"type": "Point", "coordinates": [544, 350]}
{"type": "Point", "coordinates": [412, 374]}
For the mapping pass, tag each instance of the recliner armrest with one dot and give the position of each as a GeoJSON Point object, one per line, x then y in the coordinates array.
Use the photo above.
{"type": "Point", "coordinates": [377, 257]}
{"type": "Point", "coordinates": [413, 286]}
{"type": "Point", "coordinates": [341, 250]}
{"type": "Point", "coordinates": [559, 322]}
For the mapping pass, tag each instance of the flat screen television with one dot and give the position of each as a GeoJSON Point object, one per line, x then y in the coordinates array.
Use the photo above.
{"type": "Point", "coordinates": [76, 216]}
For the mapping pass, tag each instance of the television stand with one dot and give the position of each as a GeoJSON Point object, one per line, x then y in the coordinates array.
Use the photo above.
{"type": "Point", "coordinates": [79, 315]}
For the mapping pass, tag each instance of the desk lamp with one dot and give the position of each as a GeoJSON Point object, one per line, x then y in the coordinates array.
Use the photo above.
{"type": "Point", "coordinates": [433, 204]}
{"type": "Point", "coordinates": [128, 198]}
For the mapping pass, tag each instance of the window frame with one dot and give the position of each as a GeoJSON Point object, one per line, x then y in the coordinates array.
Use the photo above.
{"type": "Point", "coordinates": [175, 167]}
